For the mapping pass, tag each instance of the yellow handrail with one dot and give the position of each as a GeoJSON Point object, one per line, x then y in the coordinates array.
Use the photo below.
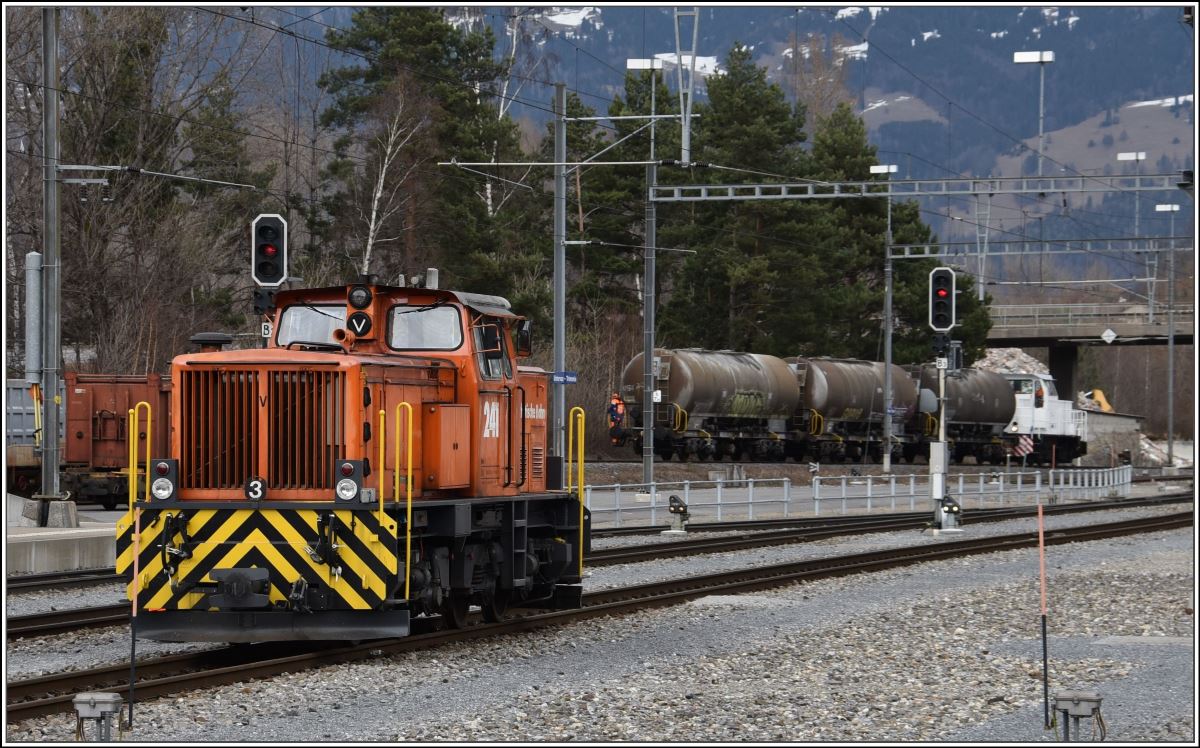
{"type": "Point", "coordinates": [681, 420]}
{"type": "Point", "coordinates": [931, 424]}
{"type": "Point", "coordinates": [35, 394]}
{"type": "Point", "coordinates": [578, 422]}
{"type": "Point", "coordinates": [134, 423]}
{"type": "Point", "coordinates": [816, 423]}
{"type": "Point", "coordinates": [408, 490]}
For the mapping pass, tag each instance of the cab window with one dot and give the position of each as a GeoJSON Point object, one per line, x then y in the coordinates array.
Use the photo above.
{"type": "Point", "coordinates": [1023, 386]}
{"type": "Point", "coordinates": [430, 327]}
{"type": "Point", "coordinates": [491, 349]}
{"type": "Point", "coordinates": [310, 323]}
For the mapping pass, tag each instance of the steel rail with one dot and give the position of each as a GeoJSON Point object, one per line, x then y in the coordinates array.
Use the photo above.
{"type": "Point", "coordinates": [61, 579]}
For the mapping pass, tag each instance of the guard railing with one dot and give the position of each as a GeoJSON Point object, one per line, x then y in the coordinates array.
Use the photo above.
{"type": "Point", "coordinates": [744, 498]}
{"type": "Point", "coordinates": [724, 498]}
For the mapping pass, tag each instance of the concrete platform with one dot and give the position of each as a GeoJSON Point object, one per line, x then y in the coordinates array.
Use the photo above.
{"type": "Point", "coordinates": [39, 550]}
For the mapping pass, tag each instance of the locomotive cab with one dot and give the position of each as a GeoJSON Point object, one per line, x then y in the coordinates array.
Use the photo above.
{"type": "Point", "coordinates": [383, 457]}
{"type": "Point", "coordinates": [1055, 426]}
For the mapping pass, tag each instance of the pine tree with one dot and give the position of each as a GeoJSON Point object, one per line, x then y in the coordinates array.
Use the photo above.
{"type": "Point", "coordinates": [446, 221]}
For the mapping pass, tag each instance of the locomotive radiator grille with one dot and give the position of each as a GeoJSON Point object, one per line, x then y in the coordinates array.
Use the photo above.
{"type": "Point", "coordinates": [219, 428]}
{"type": "Point", "coordinates": [538, 463]}
{"type": "Point", "coordinates": [285, 426]}
{"type": "Point", "coordinates": [305, 413]}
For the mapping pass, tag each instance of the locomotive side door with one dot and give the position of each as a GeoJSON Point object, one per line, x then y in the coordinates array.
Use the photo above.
{"type": "Point", "coordinates": [495, 417]}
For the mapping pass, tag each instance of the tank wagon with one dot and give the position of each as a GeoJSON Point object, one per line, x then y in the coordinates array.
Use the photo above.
{"type": "Point", "coordinates": [717, 404]}
{"type": "Point", "coordinates": [979, 405]}
{"type": "Point", "coordinates": [384, 457]}
{"type": "Point", "coordinates": [842, 407]}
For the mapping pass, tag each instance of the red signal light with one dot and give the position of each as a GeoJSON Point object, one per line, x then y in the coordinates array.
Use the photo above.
{"type": "Point", "coordinates": [270, 250]}
{"type": "Point", "coordinates": [942, 293]}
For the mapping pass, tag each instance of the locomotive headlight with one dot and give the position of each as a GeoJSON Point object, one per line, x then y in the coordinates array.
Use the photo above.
{"type": "Point", "coordinates": [346, 489]}
{"type": "Point", "coordinates": [360, 297]}
{"type": "Point", "coordinates": [162, 488]}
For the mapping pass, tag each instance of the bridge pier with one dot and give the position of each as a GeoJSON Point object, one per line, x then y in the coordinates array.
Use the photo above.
{"type": "Point", "coordinates": [1062, 359]}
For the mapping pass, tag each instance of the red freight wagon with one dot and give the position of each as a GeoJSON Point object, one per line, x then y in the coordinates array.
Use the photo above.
{"type": "Point", "coordinates": [96, 452]}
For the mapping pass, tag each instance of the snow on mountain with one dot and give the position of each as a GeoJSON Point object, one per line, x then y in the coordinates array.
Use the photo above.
{"type": "Point", "coordinates": [570, 20]}
{"type": "Point", "coordinates": [1171, 101]}
{"type": "Point", "coordinates": [705, 66]}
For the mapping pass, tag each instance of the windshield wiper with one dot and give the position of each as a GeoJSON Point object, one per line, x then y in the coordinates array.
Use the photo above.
{"type": "Point", "coordinates": [319, 346]}
{"type": "Point", "coordinates": [426, 308]}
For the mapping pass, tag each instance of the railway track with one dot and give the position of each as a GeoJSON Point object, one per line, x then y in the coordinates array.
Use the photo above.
{"type": "Point", "coordinates": [62, 579]}
{"type": "Point", "coordinates": [180, 673]}
{"type": "Point", "coordinates": [799, 532]}
{"type": "Point", "coordinates": [757, 534]}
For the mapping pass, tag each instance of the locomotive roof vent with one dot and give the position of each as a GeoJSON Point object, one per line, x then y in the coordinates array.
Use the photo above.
{"type": "Point", "coordinates": [211, 341]}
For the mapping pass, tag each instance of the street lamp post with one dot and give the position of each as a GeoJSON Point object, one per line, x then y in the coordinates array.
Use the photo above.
{"type": "Point", "coordinates": [1172, 209]}
{"type": "Point", "coordinates": [888, 169]}
{"type": "Point", "coordinates": [649, 281]}
{"type": "Point", "coordinates": [1138, 157]}
{"type": "Point", "coordinates": [1041, 58]}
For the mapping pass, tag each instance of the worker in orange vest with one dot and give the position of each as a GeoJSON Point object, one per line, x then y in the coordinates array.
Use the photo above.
{"type": "Point", "coordinates": [616, 418]}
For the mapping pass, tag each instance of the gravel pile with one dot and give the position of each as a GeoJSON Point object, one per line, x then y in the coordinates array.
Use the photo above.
{"type": "Point", "coordinates": [937, 652]}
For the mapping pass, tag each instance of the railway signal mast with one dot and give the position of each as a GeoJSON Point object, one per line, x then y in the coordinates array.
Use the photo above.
{"type": "Point", "coordinates": [268, 250]}
{"type": "Point", "coordinates": [942, 318]}
{"type": "Point", "coordinates": [268, 263]}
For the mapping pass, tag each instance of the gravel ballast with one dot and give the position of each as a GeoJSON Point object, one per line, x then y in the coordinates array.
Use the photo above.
{"type": "Point", "coordinates": [948, 651]}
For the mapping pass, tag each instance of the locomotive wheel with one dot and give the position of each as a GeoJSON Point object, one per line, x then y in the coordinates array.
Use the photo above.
{"type": "Point", "coordinates": [454, 609]}
{"type": "Point", "coordinates": [496, 606]}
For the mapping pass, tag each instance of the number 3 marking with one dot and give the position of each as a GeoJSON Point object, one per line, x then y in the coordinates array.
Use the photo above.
{"type": "Point", "coordinates": [255, 489]}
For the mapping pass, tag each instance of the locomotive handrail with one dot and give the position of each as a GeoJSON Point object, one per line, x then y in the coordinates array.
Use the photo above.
{"type": "Point", "coordinates": [134, 414]}
{"type": "Point", "coordinates": [524, 450]}
{"type": "Point", "coordinates": [135, 421]}
{"type": "Point", "coordinates": [578, 419]}
{"type": "Point", "coordinates": [816, 423]}
{"type": "Point", "coordinates": [408, 489]}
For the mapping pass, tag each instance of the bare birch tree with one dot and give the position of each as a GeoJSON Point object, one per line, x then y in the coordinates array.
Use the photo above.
{"type": "Point", "coordinates": [814, 74]}
{"type": "Point", "coordinates": [397, 122]}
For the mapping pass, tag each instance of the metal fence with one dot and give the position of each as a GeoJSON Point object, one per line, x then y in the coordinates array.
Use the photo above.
{"type": "Point", "coordinates": [996, 488]}
{"type": "Point", "coordinates": [722, 499]}
{"type": "Point", "coordinates": [619, 503]}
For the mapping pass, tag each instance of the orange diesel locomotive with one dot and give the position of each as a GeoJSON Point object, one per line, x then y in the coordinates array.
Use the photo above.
{"type": "Point", "coordinates": [384, 457]}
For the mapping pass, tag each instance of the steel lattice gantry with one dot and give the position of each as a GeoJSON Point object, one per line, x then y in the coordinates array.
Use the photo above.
{"type": "Point", "coordinates": [816, 190]}
{"type": "Point", "coordinates": [958, 250]}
